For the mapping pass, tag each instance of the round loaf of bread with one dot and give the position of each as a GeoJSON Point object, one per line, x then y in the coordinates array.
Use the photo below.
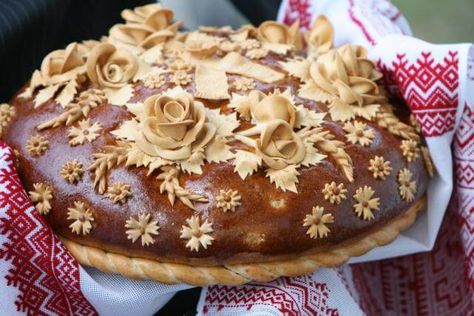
{"type": "Point", "coordinates": [217, 155]}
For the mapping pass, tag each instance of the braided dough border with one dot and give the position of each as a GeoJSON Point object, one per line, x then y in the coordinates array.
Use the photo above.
{"type": "Point", "coordinates": [235, 274]}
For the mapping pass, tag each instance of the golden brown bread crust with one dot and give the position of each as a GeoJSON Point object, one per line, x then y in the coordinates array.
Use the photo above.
{"type": "Point", "coordinates": [171, 273]}
{"type": "Point", "coordinates": [237, 234]}
{"type": "Point", "coordinates": [270, 224]}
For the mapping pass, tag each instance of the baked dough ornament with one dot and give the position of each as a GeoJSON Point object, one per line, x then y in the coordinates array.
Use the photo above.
{"type": "Point", "coordinates": [215, 156]}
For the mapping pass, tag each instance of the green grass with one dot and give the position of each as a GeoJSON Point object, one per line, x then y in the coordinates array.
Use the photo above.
{"type": "Point", "coordinates": [440, 21]}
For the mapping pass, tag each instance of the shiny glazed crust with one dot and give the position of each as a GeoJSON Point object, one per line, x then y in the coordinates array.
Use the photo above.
{"type": "Point", "coordinates": [171, 273]}
{"type": "Point", "coordinates": [218, 156]}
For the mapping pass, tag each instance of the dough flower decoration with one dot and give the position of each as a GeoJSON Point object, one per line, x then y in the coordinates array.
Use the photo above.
{"type": "Point", "coordinates": [243, 84]}
{"type": "Point", "coordinates": [227, 46]}
{"type": "Point", "coordinates": [181, 78]}
{"type": "Point", "coordinates": [84, 132]}
{"type": "Point", "coordinates": [279, 146]}
{"type": "Point", "coordinates": [280, 38]}
{"type": "Point", "coordinates": [410, 149]}
{"type": "Point", "coordinates": [173, 129]}
{"type": "Point", "coordinates": [60, 73]}
{"type": "Point", "coordinates": [359, 133]}
{"type": "Point", "coordinates": [178, 62]}
{"type": "Point", "coordinates": [317, 223]}
{"type": "Point", "coordinates": [201, 45]}
{"type": "Point", "coordinates": [37, 145]}
{"type": "Point", "coordinates": [72, 171]}
{"type": "Point", "coordinates": [344, 79]}
{"type": "Point", "coordinates": [196, 233]}
{"type": "Point", "coordinates": [407, 188]}
{"type": "Point", "coordinates": [7, 113]}
{"type": "Point", "coordinates": [82, 218]}
{"type": "Point", "coordinates": [366, 203]}
{"type": "Point", "coordinates": [320, 38]}
{"type": "Point", "coordinates": [41, 197]}
{"type": "Point", "coordinates": [379, 167]}
{"type": "Point", "coordinates": [119, 192]}
{"type": "Point", "coordinates": [228, 200]}
{"type": "Point", "coordinates": [283, 138]}
{"type": "Point", "coordinates": [259, 108]}
{"type": "Point", "coordinates": [111, 69]}
{"type": "Point", "coordinates": [142, 228]}
{"type": "Point", "coordinates": [154, 80]}
{"type": "Point", "coordinates": [145, 28]}
{"type": "Point", "coordinates": [334, 193]}
{"type": "Point", "coordinates": [250, 44]}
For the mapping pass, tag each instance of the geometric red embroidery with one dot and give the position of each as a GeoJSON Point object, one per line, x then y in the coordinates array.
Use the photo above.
{"type": "Point", "coordinates": [463, 149]}
{"type": "Point", "coordinates": [285, 296]}
{"type": "Point", "coordinates": [46, 286]}
{"type": "Point", "coordinates": [430, 283]}
{"type": "Point", "coordinates": [430, 89]}
{"type": "Point", "coordinates": [298, 9]}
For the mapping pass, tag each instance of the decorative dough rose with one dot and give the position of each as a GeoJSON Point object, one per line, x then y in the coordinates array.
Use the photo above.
{"type": "Point", "coordinates": [139, 36]}
{"type": "Point", "coordinates": [320, 38]}
{"type": "Point", "coordinates": [271, 32]}
{"type": "Point", "coordinates": [153, 15]}
{"type": "Point", "coordinates": [347, 74]}
{"type": "Point", "coordinates": [111, 67]}
{"type": "Point", "coordinates": [345, 79]}
{"type": "Point", "coordinates": [59, 66]}
{"type": "Point", "coordinates": [145, 27]}
{"type": "Point", "coordinates": [279, 146]}
{"type": "Point", "coordinates": [274, 107]}
{"type": "Point", "coordinates": [174, 128]}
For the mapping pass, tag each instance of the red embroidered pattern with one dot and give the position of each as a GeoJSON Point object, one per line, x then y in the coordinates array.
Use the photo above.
{"type": "Point", "coordinates": [422, 284]}
{"type": "Point", "coordinates": [429, 88]}
{"type": "Point", "coordinates": [46, 286]}
{"type": "Point", "coordinates": [359, 23]}
{"type": "Point", "coordinates": [288, 296]}
{"type": "Point", "coordinates": [298, 9]}
{"type": "Point", "coordinates": [463, 148]}
{"type": "Point", "coordinates": [375, 18]}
